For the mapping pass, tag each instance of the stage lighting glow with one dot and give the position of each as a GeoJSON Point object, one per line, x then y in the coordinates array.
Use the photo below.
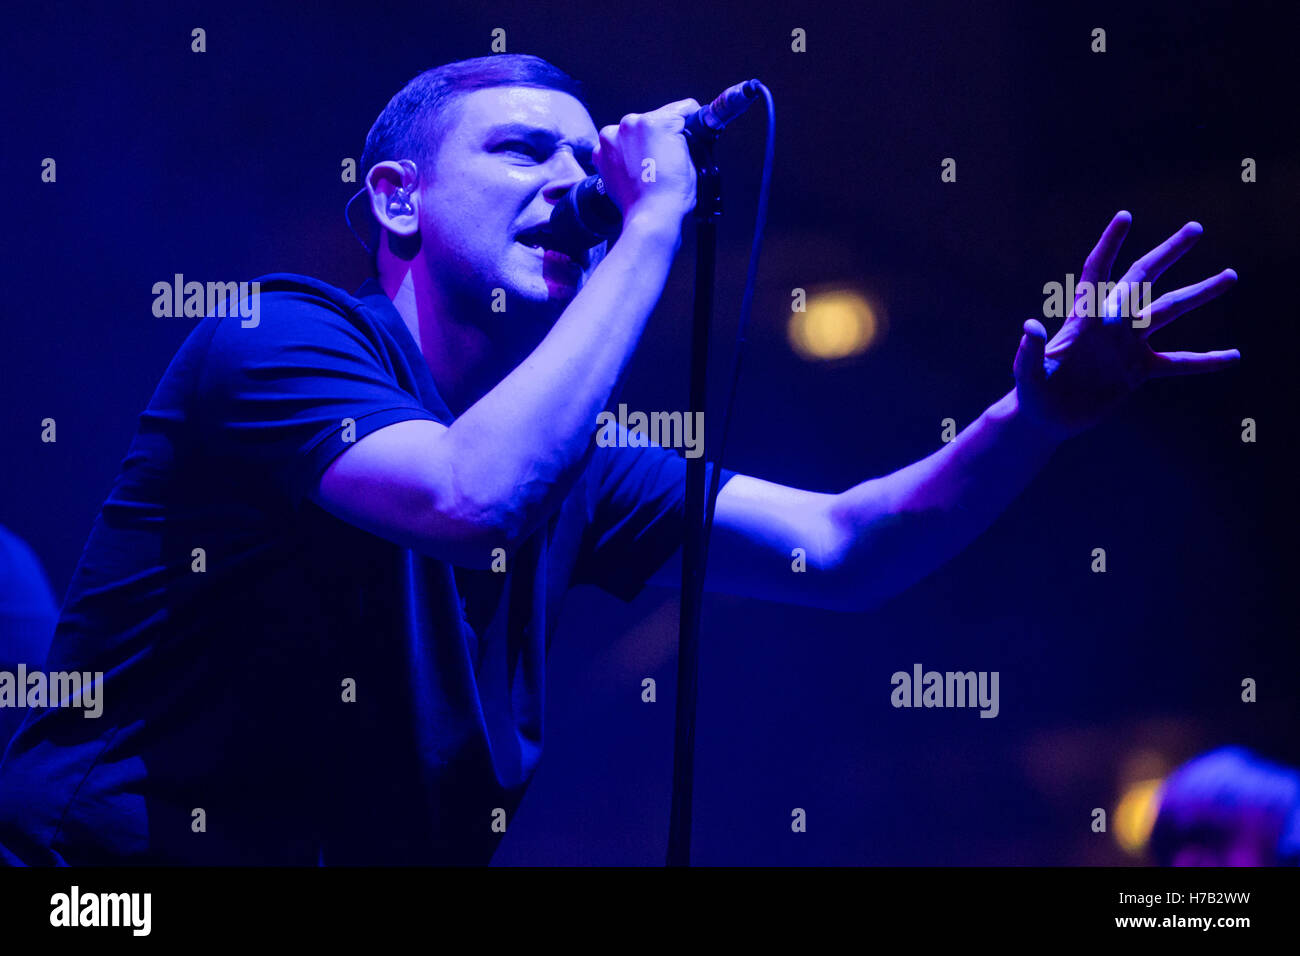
{"type": "Point", "coordinates": [836, 324]}
{"type": "Point", "coordinates": [1136, 815]}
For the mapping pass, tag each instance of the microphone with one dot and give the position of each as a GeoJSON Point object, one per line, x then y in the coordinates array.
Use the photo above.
{"type": "Point", "coordinates": [587, 216]}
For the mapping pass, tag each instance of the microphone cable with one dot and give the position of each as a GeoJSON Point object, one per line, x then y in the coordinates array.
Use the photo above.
{"type": "Point", "coordinates": [746, 304]}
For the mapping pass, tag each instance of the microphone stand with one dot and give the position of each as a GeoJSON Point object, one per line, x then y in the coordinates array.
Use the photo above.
{"type": "Point", "coordinates": [708, 209]}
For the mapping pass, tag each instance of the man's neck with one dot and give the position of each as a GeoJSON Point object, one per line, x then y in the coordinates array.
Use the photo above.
{"type": "Point", "coordinates": [462, 357]}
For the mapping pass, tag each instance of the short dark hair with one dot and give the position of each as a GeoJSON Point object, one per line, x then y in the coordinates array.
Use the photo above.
{"type": "Point", "coordinates": [414, 122]}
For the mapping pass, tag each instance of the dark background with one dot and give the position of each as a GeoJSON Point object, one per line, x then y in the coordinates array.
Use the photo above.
{"type": "Point", "coordinates": [227, 164]}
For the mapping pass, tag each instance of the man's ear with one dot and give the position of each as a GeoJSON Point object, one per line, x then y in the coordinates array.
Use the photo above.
{"type": "Point", "coordinates": [394, 198]}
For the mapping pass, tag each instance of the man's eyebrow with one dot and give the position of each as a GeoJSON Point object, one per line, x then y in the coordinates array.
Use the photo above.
{"type": "Point", "coordinates": [581, 147]}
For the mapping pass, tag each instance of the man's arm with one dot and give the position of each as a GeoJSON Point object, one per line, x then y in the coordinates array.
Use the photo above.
{"type": "Point", "coordinates": [493, 476]}
{"type": "Point", "coordinates": [866, 544]}
{"type": "Point", "coordinates": [879, 537]}
{"type": "Point", "coordinates": [458, 492]}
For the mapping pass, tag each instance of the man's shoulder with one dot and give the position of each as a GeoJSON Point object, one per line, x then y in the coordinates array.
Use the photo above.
{"type": "Point", "coordinates": [282, 309]}
{"type": "Point", "coordinates": [286, 328]}
{"type": "Point", "coordinates": [256, 311]}
{"type": "Point", "coordinates": [287, 290]}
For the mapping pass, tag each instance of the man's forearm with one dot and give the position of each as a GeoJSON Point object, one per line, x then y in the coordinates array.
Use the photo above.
{"type": "Point", "coordinates": [521, 446]}
{"type": "Point", "coordinates": [896, 529]}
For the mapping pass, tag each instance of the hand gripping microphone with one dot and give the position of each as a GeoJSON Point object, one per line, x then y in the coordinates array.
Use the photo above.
{"type": "Point", "coordinates": [587, 216]}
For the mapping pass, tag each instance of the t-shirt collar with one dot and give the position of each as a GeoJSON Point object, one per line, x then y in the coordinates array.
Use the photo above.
{"type": "Point", "coordinates": [373, 297]}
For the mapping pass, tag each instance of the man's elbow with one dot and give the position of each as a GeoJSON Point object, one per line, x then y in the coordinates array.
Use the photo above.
{"type": "Point", "coordinates": [863, 551]}
{"type": "Point", "coordinates": [470, 533]}
{"type": "Point", "coordinates": [847, 587]}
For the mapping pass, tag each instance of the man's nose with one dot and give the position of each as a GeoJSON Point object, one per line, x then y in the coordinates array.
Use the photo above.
{"type": "Point", "coordinates": [568, 173]}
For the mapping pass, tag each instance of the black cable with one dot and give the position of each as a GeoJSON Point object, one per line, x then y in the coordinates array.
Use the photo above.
{"type": "Point", "coordinates": [747, 301]}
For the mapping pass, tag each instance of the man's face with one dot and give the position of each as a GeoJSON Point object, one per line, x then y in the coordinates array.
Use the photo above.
{"type": "Point", "coordinates": [507, 158]}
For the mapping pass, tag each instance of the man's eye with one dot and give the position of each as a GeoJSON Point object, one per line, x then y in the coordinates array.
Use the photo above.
{"type": "Point", "coordinates": [521, 147]}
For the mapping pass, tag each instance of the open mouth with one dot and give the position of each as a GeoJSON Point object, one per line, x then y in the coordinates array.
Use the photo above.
{"type": "Point", "coordinates": [541, 241]}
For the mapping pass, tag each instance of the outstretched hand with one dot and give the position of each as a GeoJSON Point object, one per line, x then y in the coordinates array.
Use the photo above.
{"type": "Point", "coordinates": [1100, 355]}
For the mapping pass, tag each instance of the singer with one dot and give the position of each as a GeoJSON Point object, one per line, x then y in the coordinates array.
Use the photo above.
{"type": "Point", "coordinates": [322, 588]}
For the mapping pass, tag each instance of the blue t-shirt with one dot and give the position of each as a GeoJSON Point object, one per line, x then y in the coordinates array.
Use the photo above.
{"type": "Point", "coordinates": [225, 736]}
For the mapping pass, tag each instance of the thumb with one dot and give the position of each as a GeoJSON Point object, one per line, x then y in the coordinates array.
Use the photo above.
{"type": "Point", "coordinates": [1028, 365]}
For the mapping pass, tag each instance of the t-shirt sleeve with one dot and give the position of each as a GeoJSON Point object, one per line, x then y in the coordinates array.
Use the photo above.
{"type": "Point", "coordinates": [282, 399]}
{"type": "Point", "coordinates": [637, 507]}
